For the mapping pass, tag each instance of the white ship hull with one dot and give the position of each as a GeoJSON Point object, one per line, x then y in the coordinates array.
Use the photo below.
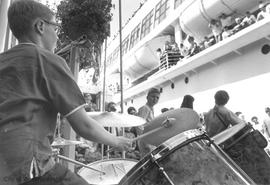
{"type": "Point", "coordinates": [236, 64]}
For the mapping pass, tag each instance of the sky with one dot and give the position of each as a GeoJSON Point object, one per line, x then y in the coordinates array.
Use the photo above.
{"type": "Point", "coordinates": [128, 7]}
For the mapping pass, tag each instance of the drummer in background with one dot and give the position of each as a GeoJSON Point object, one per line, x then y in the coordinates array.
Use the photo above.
{"type": "Point", "coordinates": [220, 118]}
{"type": "Point", "coordinates": [36, 84]}
{"type": "Point", "coordinates": [147, 112]}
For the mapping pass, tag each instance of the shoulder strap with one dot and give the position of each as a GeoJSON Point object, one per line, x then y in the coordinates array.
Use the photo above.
{"type": "Point", "coordinates": [220, 117]}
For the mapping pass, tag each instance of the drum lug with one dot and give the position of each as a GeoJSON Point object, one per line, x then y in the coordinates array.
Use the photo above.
{"type": "Point", "coordinates": [161, 170]}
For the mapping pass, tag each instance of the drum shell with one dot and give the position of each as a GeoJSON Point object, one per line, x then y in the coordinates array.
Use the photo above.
{"type": "Point", "coordinates": [186, 160]}
{"type": "Point", "coordinates": [249, 156]}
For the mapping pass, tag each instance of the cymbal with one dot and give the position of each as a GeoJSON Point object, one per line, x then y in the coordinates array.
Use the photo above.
{"type": "Point", "coordinates": [181, 120]}
{"type": "Point", "coordinates": [114, 119]}
{"type": "Point", "coordinates": [58, 142]}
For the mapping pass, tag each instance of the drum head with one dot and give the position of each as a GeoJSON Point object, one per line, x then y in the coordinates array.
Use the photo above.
{"type": "Point", "coordinates": [114, 170]}
{"type": "Point", "coordinates": [183, 119]}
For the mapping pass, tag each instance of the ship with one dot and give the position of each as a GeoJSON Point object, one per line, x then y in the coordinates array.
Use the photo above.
{"type": "Point", "coordinates": [239, 64]}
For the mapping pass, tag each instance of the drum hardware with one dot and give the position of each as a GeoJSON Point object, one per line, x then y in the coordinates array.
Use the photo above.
{"type": "Point", "coordinates": [182, 119]}
{"type": "Point", "coordinates": [161, 169]}
{"type": "Point", "coordinates": [58, 156]}
{"type": "Point", "coordinates": [58, 140]}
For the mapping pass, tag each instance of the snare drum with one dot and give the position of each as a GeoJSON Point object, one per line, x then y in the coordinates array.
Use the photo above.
{"type": "Point", "coordinates": [114, 170]}
{"type": "Point", "coordinates": [187, 158]}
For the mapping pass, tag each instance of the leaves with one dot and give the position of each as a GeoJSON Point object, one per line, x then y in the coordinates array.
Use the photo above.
{"type": "Point", "coordinates": [84, 17]}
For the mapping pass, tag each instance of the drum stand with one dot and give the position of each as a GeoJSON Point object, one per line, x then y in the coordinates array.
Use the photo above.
{"type": "Point", "coordinates": [58, 156]}
{"type": "Point", "coordinates": [161, 170]}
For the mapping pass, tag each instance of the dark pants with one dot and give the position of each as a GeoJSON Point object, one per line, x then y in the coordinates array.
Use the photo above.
{"type": "Point", "coordinates": [58, 175]}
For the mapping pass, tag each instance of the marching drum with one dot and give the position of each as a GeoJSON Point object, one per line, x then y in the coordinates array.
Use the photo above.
{"type": "Point", "coordinates": [114, 170]}
{"type": "Point", "coordinates": [243, 148]}
{"type": "Point", "coordinates": [187, 158]}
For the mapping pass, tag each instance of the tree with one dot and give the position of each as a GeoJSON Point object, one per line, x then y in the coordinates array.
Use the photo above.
{"type": "Point", "coordinates": [85, 20]}
{"type": "Point", "coordinates": [84, 17]}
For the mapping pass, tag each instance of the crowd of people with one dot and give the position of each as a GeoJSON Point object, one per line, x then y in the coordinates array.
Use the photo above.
{"type": "Point", "coordinates": [223, 27]}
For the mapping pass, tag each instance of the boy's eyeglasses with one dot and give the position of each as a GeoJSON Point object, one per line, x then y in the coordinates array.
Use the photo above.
{"type": "Point", "coordinates": [57, 26]}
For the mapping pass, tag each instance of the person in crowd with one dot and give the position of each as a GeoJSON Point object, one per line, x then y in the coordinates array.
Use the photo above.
{"type": "Point", "coordinates": [193, 48]}
{"type": "Point", "coordinates": [239, 26]}
{"type": "Point", "coordinates": [262, 14]}
{"type": "Point", "coordinates": [111, 107]}
{"type": "Point", "coordinates": [132, 133]}
{"type": "Point", "coordinates": [249, 19]}
{"type": "Point", "coordinates": [147, 112]}
{"type": "Point", "coordinates": [208, 41]}
{"type": "Point", "coordinates": [164, 110]}
{"type": "Point", "coordinates": [267, 8]}
{"type": "Point", "coordinates": [226, 32]}
{"type": "Point", "coordinates": [132, 111]}
{"type": "Point", "coordinates": [238, 113]}
{"type": "Point", "coordinates": [227, 20]}
{"type": "Point", "coordinates": [187, 102]}
{"type": "Point", "coordinates": [36, 84]}
{"type": "Point", "coordinates": [214, 118]}
{"type": "Point", "coordinates": [216, 27]}
{"type": "Point", "coordinates": [256, 124]}
{"type": "Point", "coordinates": [159, 53]}
{"type": "Point", "coordinates": [89, 107]}
{"type": "Point", "coordinates": [175, 47]}
{"type": "Point", "coordinates": [266, 123]}
{"type": "Point", "coordinates": [167, 47]}
{"type": "Point", "coordinates": [183, 50]}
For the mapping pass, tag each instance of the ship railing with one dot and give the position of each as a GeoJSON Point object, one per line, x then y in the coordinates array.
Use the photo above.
{"type": "Point", "coordinates": [169, 59]}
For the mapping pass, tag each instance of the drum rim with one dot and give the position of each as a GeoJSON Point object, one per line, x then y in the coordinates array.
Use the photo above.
{"type": "Point", "coordinates": [106, 160]}
{"type": "Point", "coordinates": [190, 136]}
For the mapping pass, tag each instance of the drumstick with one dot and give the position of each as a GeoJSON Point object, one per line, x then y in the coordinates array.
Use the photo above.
{"type": "Point", "coordinates": [81, 164]}
{"type": "Point", "coordinates": [146, 134]}
{"type": "Point", "coordinates": [165, 124]}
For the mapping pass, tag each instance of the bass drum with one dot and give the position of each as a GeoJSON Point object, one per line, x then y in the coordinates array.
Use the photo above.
{"type": "Point", "coordinates": [115, 170]}
{"type": "Point", "coordinates": [187, 158]}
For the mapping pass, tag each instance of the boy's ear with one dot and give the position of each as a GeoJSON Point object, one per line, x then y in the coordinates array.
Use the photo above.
{"type": "Point", "coordinates": [39, 26]}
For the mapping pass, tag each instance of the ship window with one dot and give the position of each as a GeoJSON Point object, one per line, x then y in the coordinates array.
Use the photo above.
{"type": "Point", "coordinates": [125, 45]}
{"type": "Point", "coordinates": [146, 24]}
{"type": "Point", "coordinates": [161, 11]}
{"type": "Point", "coordinates": [134, 36]}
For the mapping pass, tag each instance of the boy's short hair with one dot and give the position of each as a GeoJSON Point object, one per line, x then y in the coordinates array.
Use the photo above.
{"type": "Point", "coordinates": [22, 13]}
{"type": "Point", "coordinates": [221, 97]}
{"type": "Point", "coordinates": [152, 91]}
